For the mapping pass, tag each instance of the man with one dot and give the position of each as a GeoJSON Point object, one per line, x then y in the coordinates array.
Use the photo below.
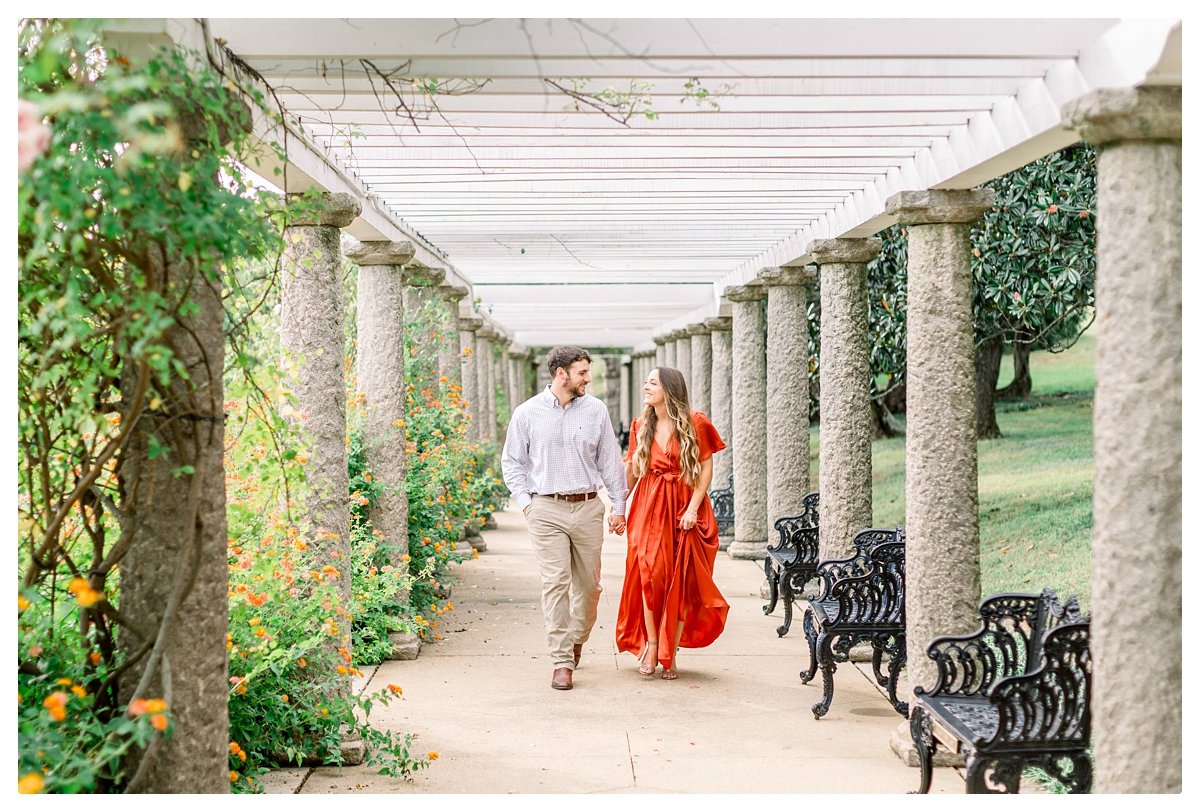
{"type": "Point", "coordinates": [559, 450]}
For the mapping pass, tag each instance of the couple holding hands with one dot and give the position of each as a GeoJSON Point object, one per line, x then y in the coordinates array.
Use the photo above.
{"type": "Point", "coordinates": [559, 450]}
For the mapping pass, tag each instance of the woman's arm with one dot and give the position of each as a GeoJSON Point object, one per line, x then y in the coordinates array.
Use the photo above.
{"type": "Point", "coordinates": [630, 479]}
{"type": "Point", "coordinates": [688, 520]}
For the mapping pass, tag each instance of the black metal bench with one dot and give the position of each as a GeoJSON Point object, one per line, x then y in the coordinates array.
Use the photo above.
{"type": "Point", "coordinates": [722, 505]}
{"type": "Point", "coordinates": [861, 600]}
{"type": "Point", "coordinates": [1014, 694]}
{"type": "Point", "coordinates": [792, 562]}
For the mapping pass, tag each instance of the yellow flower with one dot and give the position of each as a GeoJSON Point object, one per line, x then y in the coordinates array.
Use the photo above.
{"type": "Point", "coordinates": [22, 605]}
{"type": "Point", "coordinates": [30, 784]}
{"type": "Point", "coordinates": [432, 755]}
{"type": "Point", "coordinates": [78, 690]}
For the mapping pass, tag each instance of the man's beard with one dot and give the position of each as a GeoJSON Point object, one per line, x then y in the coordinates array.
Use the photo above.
{"type": "Point", "coordinates": [579, 390]}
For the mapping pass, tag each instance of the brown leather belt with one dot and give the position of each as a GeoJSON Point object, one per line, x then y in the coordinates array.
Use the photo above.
{"type": "Point", "coordinates": [572, 497]}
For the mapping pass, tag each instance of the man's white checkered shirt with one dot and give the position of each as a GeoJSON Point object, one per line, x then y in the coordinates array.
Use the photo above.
{"type": "Point", "coordinates": [554, 449]}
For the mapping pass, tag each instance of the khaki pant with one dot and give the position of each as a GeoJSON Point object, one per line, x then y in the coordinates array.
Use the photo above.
{"type": "Point", "coordinates": [567, 539]}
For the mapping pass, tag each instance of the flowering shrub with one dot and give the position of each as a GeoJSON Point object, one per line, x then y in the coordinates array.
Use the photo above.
{"type": "Point", "coordinates": [451, 478]}
{"type": "Point", "coordinates": [287, 702]}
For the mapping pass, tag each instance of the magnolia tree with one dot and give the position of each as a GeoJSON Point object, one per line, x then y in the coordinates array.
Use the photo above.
{"type": "Point", "coordinates": [1034, 263]}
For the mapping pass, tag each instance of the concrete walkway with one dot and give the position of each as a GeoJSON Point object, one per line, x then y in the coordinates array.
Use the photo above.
{"type": "Point", "coordinates": [736, 721]}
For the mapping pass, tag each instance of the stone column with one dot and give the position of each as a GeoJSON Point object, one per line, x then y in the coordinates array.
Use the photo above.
{"type": "Point", "coordinates": [503, 382]}
{"type": "Point", "coordinates": [700, 377]}
{"type": "Point", "coordinates": [488, 378]}
{"type": "Point", "coordinates": [516, 366]}
{"type": "Point", "coordinates": [749, 421]}
{"type": "Point", "coordinates": [683, 356]}
{"type": "Point", "coordinates": [450, 357]}
{"type": "Point", "coordinates": [787, 390]}
{"type": "Point", "coordinates": [721, 397]}
{"type": "Point", "coordinates": [313, 344]}
{"type": "Point", "coordinates": [421, 302]}
{"type": "Point", "coordinates": [624, 407]}
{"type": "Point", "coordinates": [845, 391]}
{"type": "Point", "coordinates": [468, 325]}
{"type": "Point", "coordinates": [1137, 530]}
{"type": "Point", "coordinates": [660, 351]}
{"type": "Point", "coordinates": [671, 357]}
{"type": "Point", "coordinates": [380, 369]}
{"type": "Point", "coordinates": [941, 469]}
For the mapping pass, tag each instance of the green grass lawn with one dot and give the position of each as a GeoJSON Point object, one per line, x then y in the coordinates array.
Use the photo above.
{"type": "Point", "coordinates": [1035, 482]}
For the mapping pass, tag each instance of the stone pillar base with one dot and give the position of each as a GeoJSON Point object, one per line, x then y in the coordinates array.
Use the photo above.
{"type": "Point", "coordinates": [748, 549]}
{"type": "Point", "coordinates": [405, 645]}
{"type": "Point", "coordinates": [352, 748]}
{"type": "Point", "coordinates": [490, 522]}
{"type": "Point", "coordinates": [477, 543]}
{"type": "Point", "coordinates": [463, 547]}
{"type": "Point", "coordinates": [723, 542]}
{"type": "Point", "coordinates": [902, 745]}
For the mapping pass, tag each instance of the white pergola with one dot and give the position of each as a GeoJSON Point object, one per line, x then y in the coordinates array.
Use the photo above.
{"type": "Point", "coordinates": [573, 226]}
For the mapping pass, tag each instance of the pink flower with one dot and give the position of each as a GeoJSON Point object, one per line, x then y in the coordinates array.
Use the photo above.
{"type": "Point", "coordinates": [33, 137]}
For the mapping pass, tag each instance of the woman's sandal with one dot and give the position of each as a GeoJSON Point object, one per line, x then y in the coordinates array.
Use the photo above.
{"type": "Point", "coordinates": [646, 669]}
{"type": "Point", "coordinates": [669, 670]}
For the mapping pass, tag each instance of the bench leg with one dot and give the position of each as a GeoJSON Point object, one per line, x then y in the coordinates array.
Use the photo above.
{"type": "Point", "coordinates": [785, 583]}
{"type": "Point", "coordinates": [925, 744]}
{"type": "Point", "coordinates": [810, 634]}
{"type": "Point", "coordinates": [898, 659]}
{"type": "Point", "coordinates": [828, 666]}
{"type": "Point", "coordinates": [1075, 774]}
{"type": "Point", "coordinates": [773, 579]}
{"type": "Point", "coordinates": [993, 775]}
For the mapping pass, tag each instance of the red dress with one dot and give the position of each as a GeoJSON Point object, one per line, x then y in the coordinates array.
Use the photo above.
{"type": "Point", "coordinates": [669, 568]}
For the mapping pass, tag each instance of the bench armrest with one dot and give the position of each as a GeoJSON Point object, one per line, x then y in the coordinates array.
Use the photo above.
{"type": "Point", "coordinates": [1051, 703]}
{"type": "Point", "coordinates": [972, 664]}
{"type": "Point", "coordinates": [805, 541]}
{"type": "Point", "coordinates": [876, 596]}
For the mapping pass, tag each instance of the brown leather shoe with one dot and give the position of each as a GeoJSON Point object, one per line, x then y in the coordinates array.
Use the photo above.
{"type": "Point", "coordinates": [578, 652]}
{"type": "Point", "coordinates": [562, 679]}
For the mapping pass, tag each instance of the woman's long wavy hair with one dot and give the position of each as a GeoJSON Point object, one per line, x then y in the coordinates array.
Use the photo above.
{"type": "Point", "coordinates": [679, 411]}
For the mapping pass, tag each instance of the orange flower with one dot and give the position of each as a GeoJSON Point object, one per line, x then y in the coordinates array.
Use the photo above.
{"type": "Point", "coordinates": [78, 690]}
{"type": "Point", "coordinates": [345, 654]}
{"type": "Point", "coordinates": [432, 755]}
{"type": "Point", "coordinates": [233, 776]}
{"type": "Point", "coordinates": [158, 722]}
{"type": "Point", "coordinates": [137, 707]}
{"type": "Point", "coordinates": [22, 605]}
{"type": "Point", "coordinates": [343, 670]}
{"type": "Point", "coordinates": [234, 747]}
{"type": "Point", "coordinates": [284, 697]}
{"type": "Point", "coordinates": [156, 705]}
{"type": "Point", "coordinates": [94, 658]}
{"type": "Point", "coordinates": [30, 784]}
{"type": "Point", "coordinates": [396, 689]}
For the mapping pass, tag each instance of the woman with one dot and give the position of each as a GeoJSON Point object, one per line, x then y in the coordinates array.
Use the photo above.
{"type": "Point", "coordinates": [669, 598]}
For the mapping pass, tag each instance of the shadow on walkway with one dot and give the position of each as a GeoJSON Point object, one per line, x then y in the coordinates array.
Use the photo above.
{"type": "Point", "coordinates": [736, 721]}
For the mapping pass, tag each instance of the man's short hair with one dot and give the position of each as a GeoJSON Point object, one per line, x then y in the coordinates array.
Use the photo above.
{"type": "Point", "coordinates": [564, 357]}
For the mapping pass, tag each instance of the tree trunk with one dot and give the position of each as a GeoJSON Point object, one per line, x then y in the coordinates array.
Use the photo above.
{"type": "Point", "coordinates": [175, 573]}
{"type": "Point", "coordinates": [987, 372]}
{"type": "Point", "coordinates": [1022, 383]}
{"type": "Point", "coordinates": [896, 400]}
{"type": "Point", "coordinates": [882, 423]}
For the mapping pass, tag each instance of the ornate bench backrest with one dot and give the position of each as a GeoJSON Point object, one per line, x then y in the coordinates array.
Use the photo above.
{"type": "Point", "coordinates": [876, 596]}
{"type": "Point", "coordinates": [1052, 703]}
{"type": "Point", "coordinates": [833, 570]}
{"type": "Point", "coordinates": [722, 505]}
{"type": "Point", "coordinates": [1051, 614]}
